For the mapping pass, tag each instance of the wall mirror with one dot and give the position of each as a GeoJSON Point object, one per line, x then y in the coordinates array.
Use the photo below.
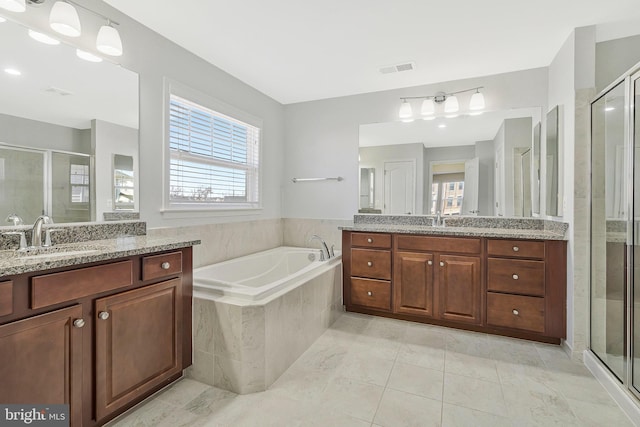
{"type": "Point", "coordinates": [467, 165]}
{"type": "Point", "coordinates": [535, 173]}
{"type": "Point", "coordinates": [62, 121]}
{"type": "Point", "coordinates": [552, 170]}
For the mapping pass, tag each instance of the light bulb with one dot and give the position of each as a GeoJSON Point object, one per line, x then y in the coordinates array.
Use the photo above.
{"type": "Point", "coordinates": [64, 19]}
{"type": "Point", "coordinates": [428, 107]}
{"type": "Point", "coordinates": [108, 41]}
{"type": "Point", "coordinates": [405, 110]}
{"type": "Point", "coordinates": [13, 5]}
{"type": "Point", "coordinates": [451, 104]}
{"type": "Point", "coordinates": [477, 101]}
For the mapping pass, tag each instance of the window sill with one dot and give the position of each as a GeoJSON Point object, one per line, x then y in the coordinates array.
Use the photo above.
{"type": "Point", "coordinates": [203, 212]}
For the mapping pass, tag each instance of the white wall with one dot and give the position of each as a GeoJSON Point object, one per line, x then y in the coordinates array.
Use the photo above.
{"type": "Point", "coordinates": [108, 139]}
{"type": "Point", "coordinates": [614, 58]}
{"type": "Point", "coordinates": [321, 137]}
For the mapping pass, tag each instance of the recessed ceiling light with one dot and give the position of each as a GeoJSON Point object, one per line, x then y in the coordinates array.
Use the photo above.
{"type": "Point", "coordinates": [12, 71]}
{"type": "Point", "coordinates": [88, 56]}
{"type": "Point", "coordinates": [442, 126]}
{"type": "Point", "coordinates": [43, 38]}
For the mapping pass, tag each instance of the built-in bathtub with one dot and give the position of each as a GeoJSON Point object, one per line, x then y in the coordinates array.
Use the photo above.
{"type": "Point", "coordinates": [255, 315]}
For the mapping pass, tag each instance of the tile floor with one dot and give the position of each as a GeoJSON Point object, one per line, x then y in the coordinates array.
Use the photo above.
{"type": "Point", "coordinates": [368, 371]}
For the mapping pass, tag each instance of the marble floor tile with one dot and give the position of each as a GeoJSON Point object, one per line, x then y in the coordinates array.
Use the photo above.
{"type": "Point", "coordinates": [400, 409]}
{"type": "Point", "coordinates": [417, 380]}
{"type": "Point", "coordinates": [366, 371]}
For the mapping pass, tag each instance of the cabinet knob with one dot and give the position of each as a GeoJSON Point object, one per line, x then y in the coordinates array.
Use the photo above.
{"type": "Point", "coordinates": [441, 263]}
{"type": "Point", "coordinates": [165, 265]}
{"type": "Point", "coordinates": [78, 323]}
{"type": "Point", "coordinates": [430, 262]}
{"type": "Point", "coordinates": [370, 293]}
{"type": "Point", "coordinates": [104, 315]}
{"type": "Point", "coordinates": [515, 277]}
{"type": "Point", "coordinates": [369, 263]}
{"type": "Point", "coordinates": [516, 249]}
{"type": "Point", "coordinates": [369, 240]}
{"type": "Point", "coordinates": [515, 312]}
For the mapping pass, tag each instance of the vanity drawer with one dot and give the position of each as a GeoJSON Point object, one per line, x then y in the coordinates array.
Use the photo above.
{"type": "Point", "coordinates": [6, 298]}
{"type": "Point", "coordinates": [163, 265]}
{"type": "Point", "coordinates": [516, 248]}
{"type": "Point", "coordinates": [515, 311]}
{"type": "Point", "coordinates": [70, 285]}
{"type": "Point", "coordinates": [371, 240]}
{"type": "Point", "coordinates": [516, 276]}
{"type": "Point", "coordinates": [371, 263]}
{"type": "Point", "coordinates": [371, 293]}
{"type": "Point", "coordinates": [460, 245]}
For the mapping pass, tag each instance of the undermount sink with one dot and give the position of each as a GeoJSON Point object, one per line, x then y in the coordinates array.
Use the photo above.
{"type": "Point", "coordinates": [55, 252]}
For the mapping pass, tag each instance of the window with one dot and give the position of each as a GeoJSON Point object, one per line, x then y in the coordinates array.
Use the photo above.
{"type": "Point", "coordinates": [79, 180]}
{"type": "Point", "coordinates": [214, 158]}
{"type": "Point", "coordinates": [123, 182]}
{"type": "Point", "coordinates": [447, 193]}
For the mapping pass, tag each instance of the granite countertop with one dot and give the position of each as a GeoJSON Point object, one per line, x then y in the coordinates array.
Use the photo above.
{"type": "Point", "coordinates": [14, 262]}
{"type": "Point", "coordinates": [511, 233]}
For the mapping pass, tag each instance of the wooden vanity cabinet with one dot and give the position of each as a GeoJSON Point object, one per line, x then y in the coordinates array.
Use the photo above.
{"type": "Point", "coordinates": [98, 337]}
{"type": "Point", "coordinates": [503, 286]}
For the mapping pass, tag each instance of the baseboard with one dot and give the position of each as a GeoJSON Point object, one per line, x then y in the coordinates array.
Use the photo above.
{"type": "Point", "coordinates": [628, 403]}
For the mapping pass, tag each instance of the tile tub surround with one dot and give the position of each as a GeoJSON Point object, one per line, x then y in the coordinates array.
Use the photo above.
{"type": "Point", "coordinates": [513, 228]}
{"type": "Point", "coordinates": [366, 371]}
{"type": "Point", "coordinates": [244, 348]}
{"type": "Point", "coordinates": [76, 232]}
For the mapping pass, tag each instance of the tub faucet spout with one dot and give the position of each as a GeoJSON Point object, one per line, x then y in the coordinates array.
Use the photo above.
{"type": "Point", "coordinates": [325, 249]}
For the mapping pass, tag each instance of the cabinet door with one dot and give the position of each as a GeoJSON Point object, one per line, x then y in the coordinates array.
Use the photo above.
{"type": "Point", "coordinates": [459, 287]}
{"type": "Point", "coordinates": [138, 343]}
{"type": "Point", "coordinates": [41, 360]}
{"type": "Point", "coordinates": [413, 283]}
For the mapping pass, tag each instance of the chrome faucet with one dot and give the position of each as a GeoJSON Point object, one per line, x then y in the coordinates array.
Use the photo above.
{"type": "Point", "coordinates": [36, 233]}
{"type": "Point", "coordinates": [437, 221]}
{"type": "Point", "coordinates": [325, 254]}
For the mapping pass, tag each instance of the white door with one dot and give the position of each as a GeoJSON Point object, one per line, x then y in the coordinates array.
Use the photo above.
{"type": "Point", "coordinates": [471, 182]}
{"type": "Point", "coordinates": [399, 188]}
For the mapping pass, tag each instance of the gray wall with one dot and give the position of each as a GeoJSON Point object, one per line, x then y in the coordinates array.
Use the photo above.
{"type": "Point", "coordinates": [614, 57]}
{"type": "Point", "coordinates": [36, 134]}
{"type": "Point", "coordinates": [153, 57]}
{"type": "Point", "coordinates": [486, 158]}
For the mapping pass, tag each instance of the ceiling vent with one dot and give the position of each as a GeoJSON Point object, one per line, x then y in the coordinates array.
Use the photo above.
{"type": "Point", "coordinates": [406, 66]}
{"type": "Point", "coordinates": [57, 91]}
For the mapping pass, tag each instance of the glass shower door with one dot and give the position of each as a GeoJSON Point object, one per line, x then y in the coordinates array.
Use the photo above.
{"type": "Point", "coordinates": [609, 218]}
{"type": "Point", "coordinates": [635, 296]}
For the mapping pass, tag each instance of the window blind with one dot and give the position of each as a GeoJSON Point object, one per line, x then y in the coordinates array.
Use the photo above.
{"type": "Point", "coordinates": [214, 157]}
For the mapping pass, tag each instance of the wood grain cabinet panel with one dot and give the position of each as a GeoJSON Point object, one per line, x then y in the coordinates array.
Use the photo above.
{"type": "Point", "coordinates": [516, 248]}
{"type": "Point", "coordinates": [138, 343]}
{"type": "Point", "coordinates": [371, 240]}
{"type": "Point", "coordinates": [6, 298]}
{"type": "Point", "coordinates": [459, 288]}
{"type": "Point", "coordinates": [163, 265]}
{"type": "Point", "coordinates": [41, 361]}
{"type": "Point", "coordinates": [524, 277]}
{"type": "Point", "coordinates": [372, 263]}
{"type": "Point", "coordinates": [413, 283]}
{"type": "Point", "coordinates": [516, 311]}
{"type": "Point", "coordinates": [371, 293]}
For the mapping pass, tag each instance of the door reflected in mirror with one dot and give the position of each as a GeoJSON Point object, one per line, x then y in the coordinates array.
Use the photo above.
{"type": "Point", "coordinates": [123, 183]}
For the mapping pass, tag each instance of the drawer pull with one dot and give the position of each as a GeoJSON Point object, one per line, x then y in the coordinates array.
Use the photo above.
{"type": "Point", "coordinates": [430, 262]}
{"type": "Point", "coordinates": [104, 315]}
{"type": "Point", "coordinates": [516, 249]}
{"type": "Point", "coordinates": [369, 240]}
{"type": "Point", "coordinates": [165, 265]}
{"type": "Point", "coordinates": [515, 312]}
{"type": "Point", "coordinates": [515, 277]}
{"type": "Point", "coordinates": [441, 264]}
{"type": "Point", "coordinates": [78, 323]}
{"type": "Point", "coordinates": [370, 293]}
{"type": "Point", "coordinates": [369, 263]}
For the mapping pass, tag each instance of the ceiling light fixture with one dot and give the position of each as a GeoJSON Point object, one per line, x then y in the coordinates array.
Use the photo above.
{"type": "Point", "coordinates": [13, 5]}
{"type": "Point", "coordinates": [450, 101]}
{"type": "Point", "coordinates": [43, 38]}
{"type": "Point", "coordinates": [109, 41]}
{"type": "Point", "coordinates": [64, 19]}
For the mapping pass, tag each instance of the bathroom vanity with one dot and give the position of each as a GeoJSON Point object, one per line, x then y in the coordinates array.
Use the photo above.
{"type": "Point", "coordinates": [100, 325]}
{"type": "Point", "coordinates": [507, 281]}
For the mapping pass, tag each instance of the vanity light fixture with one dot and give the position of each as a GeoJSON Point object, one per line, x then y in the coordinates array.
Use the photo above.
{"type": "Point", "coordinates": [109, 41]}
{"type": "Point", "coordinates": [64, 19]}
{"type": "Point", "coordinates": [13, 5]}
{"type": "Point", "coordinates": [43, 38]}
{"type": "Point", "coordinates": [450, 101]}
{"type": "Point", "coordinates": [87, 56]}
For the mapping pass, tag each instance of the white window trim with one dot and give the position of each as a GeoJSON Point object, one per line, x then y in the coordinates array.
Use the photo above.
{"type": "Point", "coordinates": [207, 101]}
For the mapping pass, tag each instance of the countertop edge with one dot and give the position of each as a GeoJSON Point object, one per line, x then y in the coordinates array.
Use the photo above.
{"type": "Point", "coordinates": [459, 232]}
